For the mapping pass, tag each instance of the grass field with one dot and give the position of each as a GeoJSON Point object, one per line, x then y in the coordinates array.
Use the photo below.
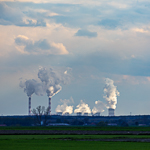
{"type": "Point", "coordinates": [79, 128]}
{"type": "Point", "coordinates": [72, 142]}
{"type": "Point", "coordinates": [49, 144]}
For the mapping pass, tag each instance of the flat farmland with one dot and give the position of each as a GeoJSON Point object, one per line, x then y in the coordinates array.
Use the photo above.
{"type": "Point", "coordinates": [66, 138]}
{"type": "Point", "coordinates": [46, 144]}
{"type": "Point", "coordinates": [81, 128]}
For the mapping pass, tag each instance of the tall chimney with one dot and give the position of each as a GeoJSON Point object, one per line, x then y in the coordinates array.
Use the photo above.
{"type": "Point", "coordinates": [49, 106]}
{"type": "Point", "coordinates": [111, 112]}
{"type": "Point", "coordinates": [29, 105]}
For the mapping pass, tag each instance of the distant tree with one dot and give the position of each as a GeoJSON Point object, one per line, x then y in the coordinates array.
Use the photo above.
{"type": "Point", "coordinates": [86, 120]}
{"type": "Point", "coordinates": [101, 124]}
{"type": "Point", "coordinates": [58, 120]}
{"type": "Point", "coordinates": [136, 123]}
{"type": "Point", "coordinates": [124, 124]}
{"type": "Point", "coordinates": [77, 122]}
{"type": "Point", "coordinates": [41, 114]}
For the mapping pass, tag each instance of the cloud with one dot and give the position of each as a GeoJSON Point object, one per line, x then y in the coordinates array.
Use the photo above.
{"type": "Point", "coordinates": [109, 15]}
{"type": "Point", "coordinates": [109, 23]}
{"type": "Point", "coordinates": [14, 16]}
{"type": "Point", "coordinates": [43, 46]}
{"type": "Point", "coordinates": [86, 33]}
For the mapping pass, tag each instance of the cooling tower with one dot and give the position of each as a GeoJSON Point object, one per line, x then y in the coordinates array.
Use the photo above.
{"type": "Point", "coordinates": [29, 105]}
{"type": "Point", "coordinates": [79, 113]}
{"type": "Point", "coordinates": [59, 113]}
{"type": "Point", "coordinates": [66, 114]}
{"type": "Point", "coordinates": [85, 114]}
{"type": "Point", "coordinates": [111, 112]}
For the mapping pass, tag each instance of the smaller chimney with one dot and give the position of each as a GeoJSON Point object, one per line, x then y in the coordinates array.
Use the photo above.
{"type": "Point", "coordinates": [111, 112]}
{"type": "Point", "coordinates": [49, 103]}
{"type": "Point", "coordinates": [29, 105]}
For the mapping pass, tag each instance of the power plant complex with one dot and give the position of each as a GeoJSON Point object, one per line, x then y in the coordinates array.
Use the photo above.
{"type": "Point", "coordinates": [49, 82]}
{"type": "Point", "coordinates": [111, 111]}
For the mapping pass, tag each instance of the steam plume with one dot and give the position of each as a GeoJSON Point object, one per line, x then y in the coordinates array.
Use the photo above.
{"type": "Point", "coordinates": [49, 82]}
{"type": "Point", "coordinates": [99, 107]}
{"type": "Point", "coordinates": [83, 108]}
{"type": "Point", "coordinates": [52, 80]}
{"type": "Point", "coordinates": [111, 93]}
{"type": "Point", "coordinates": [33, 86]}
{"type": "Point", "coordinates": [64, 108]}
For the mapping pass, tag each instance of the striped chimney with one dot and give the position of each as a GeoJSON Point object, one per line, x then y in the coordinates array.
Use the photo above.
{"type": "Point", "coordinates": [49, 103]}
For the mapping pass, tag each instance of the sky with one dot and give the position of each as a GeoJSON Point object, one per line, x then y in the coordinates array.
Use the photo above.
{"type": "Point", "coordinates": [90, 39]}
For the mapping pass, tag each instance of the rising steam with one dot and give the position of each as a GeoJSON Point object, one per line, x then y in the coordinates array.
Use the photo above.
{"type": "Point", "coordinates": [64, 108]}
{"type": "Point", "coordinates": [99, 107]}
{"type": "Point", "coordinates": [111, 93]}
{"type": "Point", "coordinates": [49, 82]}
{"type": "Point", "coordinates": [83, 108]}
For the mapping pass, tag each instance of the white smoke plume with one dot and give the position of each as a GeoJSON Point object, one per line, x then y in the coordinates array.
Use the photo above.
{"type": "Point", "coordinates": [99, 107]}
{"type": "Point", "coordinates": [32, 86]}
{"type": "Point", "coordinates": [49, 82]}
{"type": "Point", "coordinates": [52, 80]}
{"type": "Point", "coordinates": [83, 108]}
{"type": "Point", "coordinates": [52, 90]}
{"type": "Point", "coordinates": [64, 108]}
{"type": "Point", "coordinates": [111, 93]}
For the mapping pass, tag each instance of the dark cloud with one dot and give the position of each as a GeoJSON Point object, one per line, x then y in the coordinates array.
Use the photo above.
{"type": "Point", "coordinates": [14, 16]}
{"type": "Point", "coordinates": [75, 15]}
{"type": "Point", "coordinates": [83, 32]}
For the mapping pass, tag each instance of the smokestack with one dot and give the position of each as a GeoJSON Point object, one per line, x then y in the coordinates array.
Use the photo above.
{"type": "Point", "coordinates": [111, 112]}
{"type": "Point", "coordinates": [49, 103]}
{"type": "Point", "coordinates": [29, 105]}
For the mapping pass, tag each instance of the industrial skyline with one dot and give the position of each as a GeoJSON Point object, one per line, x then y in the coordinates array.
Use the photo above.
{"type": "Point", "coordinates": [83, 43]}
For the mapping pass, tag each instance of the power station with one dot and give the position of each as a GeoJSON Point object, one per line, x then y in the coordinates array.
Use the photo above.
{"type": "Point", "coordinates": [111, 112]}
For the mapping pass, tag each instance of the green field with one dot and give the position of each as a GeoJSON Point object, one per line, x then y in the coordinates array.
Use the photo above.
{"type": "Point", "coordinates": [80, 128]}
{"type": "Point", "coordinates": [72, 142]}
{"type": "Point", "coordinates": [49, 144]}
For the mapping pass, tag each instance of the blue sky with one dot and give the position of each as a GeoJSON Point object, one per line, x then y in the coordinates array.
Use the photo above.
{"type": "Point", "coordinates": [93, 39]}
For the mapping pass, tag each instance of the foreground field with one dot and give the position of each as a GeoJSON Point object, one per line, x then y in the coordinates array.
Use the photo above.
{"type": "Point", "coordinates": [78, 141]}
{"type": "Point", "coordinates": [72, 137]}
{"type": "Point", "coordinates": [47, 144]}
{"type": "Point", "coordinates": [82, 128]}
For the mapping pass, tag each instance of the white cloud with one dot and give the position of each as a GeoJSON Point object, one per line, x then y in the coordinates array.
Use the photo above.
{"type": "Point", "coordinates": [118, 5]}
{"type": "Point", "coordinates": [43, 46]}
